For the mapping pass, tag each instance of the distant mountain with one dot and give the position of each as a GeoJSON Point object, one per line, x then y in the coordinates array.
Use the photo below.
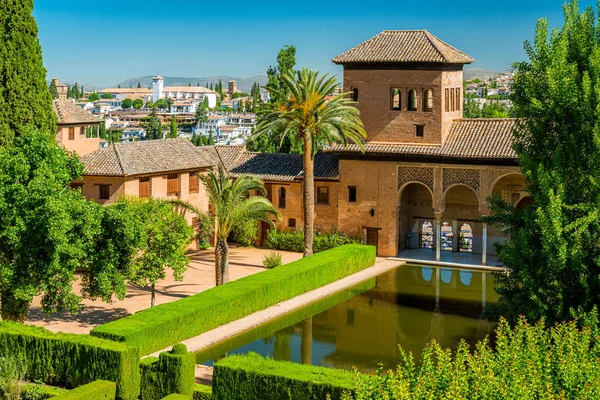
{"type": "Point", "coordinates": [478, 73]}
{"type": "Point", "coordinates": [87, 88]}
{"type": "Point", "coordinates": [244, 84]}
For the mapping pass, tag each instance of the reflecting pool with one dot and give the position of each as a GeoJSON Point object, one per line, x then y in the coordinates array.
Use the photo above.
{"type": "Point", "coordinates": [364, 325]}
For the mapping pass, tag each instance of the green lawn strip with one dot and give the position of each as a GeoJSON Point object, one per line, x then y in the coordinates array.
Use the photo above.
{"type": "Point", "coordinates": [158, 327]}
{"type": "Point", "coordinates": [202, 392]}
{"type": "Point", "coordinates": [97, 390]}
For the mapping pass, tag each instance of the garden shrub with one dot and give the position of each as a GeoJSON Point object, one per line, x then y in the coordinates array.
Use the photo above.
{"type": "Point", "coordinates": [254, 377]}
{"type": "Point", "coordinates": [202, 392]}
{"type": "Point", "coordinates": [272, 260]}
{"type": "Point", "coordinates": [158, 327]}
{"type": "Point", "coordinates": [97, 390]}
{"type": "Point", "coordinates": [294, 240]}
{"type": "Point", "coordinates": [172, 372]}
{"type": "Point", "coordinates": [526, 362]}
{"type": "Point", "coordinates": [246, 234]}
{"type": "Point", "coordinates": [40, 392]}
{"type": "Point", "coordinates": [178, 396]}
{"type": "Point", "coordinates": [71, 360]}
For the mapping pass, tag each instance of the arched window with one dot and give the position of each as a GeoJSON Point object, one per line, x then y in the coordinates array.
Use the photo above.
{"type": "Point", "coordinates": [281, 197]}
{"type": "Point", "coordinates": [427, 100]}
{"type": "Point", "coordinates": [396, 99]}
{"type": "Point", "coordinates": [412, 100]}
{"type": "Point", "coordinates": [354, 94]}
{"type": "Point", "coordinates": [465, 243]}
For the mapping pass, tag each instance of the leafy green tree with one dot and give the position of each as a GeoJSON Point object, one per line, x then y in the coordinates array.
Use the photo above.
{"type": "Point", "coordinates": [232, 206]}
{"type": "Point", "coordinates": [202, 112]}
{"type": "Point", "coordinates": [211, 140]}
{"type": "Point", "coordinates": [48, 231]}
{"type": "Point", "coordinates": [173, 128]}
{"type": "Point", "coordinates": [107, 96]}
{"type": "Point", "coordinates": [94, 96]}
{"type": "Point", "coordinates": [552, 247]}
{"type": "Point", "coordinates": [24, 95]}
{"type": "Point", "coordinates": [154, 129]}
{"type": "Point", "coordinates": [138, 104]}
{"type": "Point", "coordinates": [286, 61]}
{"type": "Point", "coordinates": [53, 90]}
{"type": "Point", "coordinates": [127, 103]}
{"type": "Point", "coordinates": [310, 118]}
{"type": "Point", "coordinates": [166, 236]}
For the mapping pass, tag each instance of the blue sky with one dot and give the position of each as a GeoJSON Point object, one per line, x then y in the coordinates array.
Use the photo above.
{"type": "Point", "coordinates": [105, 42]}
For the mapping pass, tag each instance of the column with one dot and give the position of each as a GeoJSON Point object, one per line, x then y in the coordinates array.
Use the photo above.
{"type": "Point", "coordinates": [455, 237]}
{"type": "Point", "coordinates": [484, 246]}
{"type": "Point", "coordinates": [438, 236]}
{"type": "Point", "coordinates": [306, 342]}
{"type": "Point", "coordinates": [483, 290]}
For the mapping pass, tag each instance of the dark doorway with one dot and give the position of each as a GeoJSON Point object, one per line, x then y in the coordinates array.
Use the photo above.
{"type": "Point", "coordinates": [372, 236]}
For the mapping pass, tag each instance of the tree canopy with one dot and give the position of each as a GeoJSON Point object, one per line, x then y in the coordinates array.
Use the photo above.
{"type": "Point", "coordinates": [24, 95]}
{"type": "Point", "coordinates": [552, 250]}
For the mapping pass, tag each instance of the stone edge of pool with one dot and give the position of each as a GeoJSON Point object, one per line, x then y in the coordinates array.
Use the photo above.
{"type": "Point", "coordinates": [227, 331]}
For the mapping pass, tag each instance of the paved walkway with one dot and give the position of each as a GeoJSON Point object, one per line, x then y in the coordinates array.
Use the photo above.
{"type": "Point", "coordinates": [199, 277]}
{"type": "Point", "coordinates": [448, 257]}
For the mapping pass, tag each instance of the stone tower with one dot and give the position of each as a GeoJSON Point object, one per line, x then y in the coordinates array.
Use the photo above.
{"type": "Point", "coordinates": [232, 88]}
{"type": "Point", "coordinates": [407, 85]}
{"type": "Point", "coordinates": [157, 88]}
{"type": "Point", "coordinates": [61, 89]}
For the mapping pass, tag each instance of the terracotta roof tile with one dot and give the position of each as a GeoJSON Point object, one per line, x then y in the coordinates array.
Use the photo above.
{"type": "Point", "coordinates": [475, 139]}
{"type": "Point", "coordinates": [404, 47]}
{"type": "Point", "coordinates": [67, 112]}
{"type": "Point", "coordinates": [145, 157]}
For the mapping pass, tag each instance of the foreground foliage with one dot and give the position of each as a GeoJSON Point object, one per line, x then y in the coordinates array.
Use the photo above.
{"type": "Point", "coordinates": [294, 240]}
{"type": "Point", "coordinates": [526, 362]}
{"type": "Point", "coordinates": [553, 250]}
{"type": "Point", "coordinates": [158, 327]}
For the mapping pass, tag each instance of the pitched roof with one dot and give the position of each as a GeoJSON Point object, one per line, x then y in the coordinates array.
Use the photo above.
{"type": "Point", "coordinates": [145, 157]}
{"type": "Point", "coordinates": [271, 166]}
{"type": "Point", "coordinates": [467, 139]}
{"type": "Point", "coordinates": [417, 46]}
{"type": "Point", "coordinates": [67, 112]}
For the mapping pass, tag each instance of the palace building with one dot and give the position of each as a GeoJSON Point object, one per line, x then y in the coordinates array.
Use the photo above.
{"type": "Point", "coordinates": [424, 176]}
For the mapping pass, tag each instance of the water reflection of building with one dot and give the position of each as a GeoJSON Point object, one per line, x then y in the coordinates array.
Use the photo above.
{"type": "Point", "coordinates": [409, 307]}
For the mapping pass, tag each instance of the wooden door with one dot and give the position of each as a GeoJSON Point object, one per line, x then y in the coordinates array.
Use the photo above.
{"type": "Point", "coordinates": [372, 237]}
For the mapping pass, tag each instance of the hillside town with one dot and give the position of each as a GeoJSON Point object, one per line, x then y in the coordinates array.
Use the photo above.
{"type": "Point", "coordinates": [414, 227]}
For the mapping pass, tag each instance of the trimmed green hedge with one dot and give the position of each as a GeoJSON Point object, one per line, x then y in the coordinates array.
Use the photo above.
{"type": "Point", "coordinates": [178, 397]}
{"type": "Point", "coordinates": [173, 372]}
{"type": "Point", "coordinates": [72, 360]}
{"type": "Point", "coordinates": [158, 327]}
{"type": "Point", "coordinates": [294, 240]}
{"type": "Point", "coordinates": [254, 377]}
{"type": "Point", "coordinates": [97, 390]}
{"type": "Point", "coordinates": [202, 392]}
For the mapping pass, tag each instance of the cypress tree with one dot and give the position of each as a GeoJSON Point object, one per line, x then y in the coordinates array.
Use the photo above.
{"type": "Point", "coordinates": [53, 90]}
{"type": "Point", "coordinates": [24, 95]}
{"type": "Point", "coordinates": [82, 94]}
{"type": "Point", "coordinates": [139, 85]}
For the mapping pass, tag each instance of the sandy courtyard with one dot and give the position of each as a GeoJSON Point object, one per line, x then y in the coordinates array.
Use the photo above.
{"type": "Point", "coordinates": [199, 276]}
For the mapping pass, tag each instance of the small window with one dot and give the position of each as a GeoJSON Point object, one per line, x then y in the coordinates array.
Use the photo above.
{"type": "Point", "coordinates": [291, 222]}
{"type": "Point", "coordinates": [281, 197]}
{"type": "Point", "coordinates": [349, 317]}
{"type": "Point", "coordinates": [447, 100]}
{"type": "Point", "coordinates": [396, 99]}
{"type": "Point", "coordinates": [194, 183]}
{"type": "Point", "coordinates": [104, 192]}
{"type": "Point", "coordinates": [427, 100]}
{"type": "Point", "coordinates": [452, 104]}
{"type": "Point", "coordinates": [351, 194]}
{"type": "Point", "coordinates": [172, 184]}
{"type": "Point", "coordinates": [355, 94]}
{"type": "Point", "coordinates": [144, 187]}
{"type": "Point", "coordinates": [457, 99]}
{"type": "Point", "coordinates": [420, 131]}
{"type": "Point", "coordinates": [71, 133]}
{"type": "Point", "coordinates": [412, 100]}
{"type": "Point", "coordinates": [322, 195]}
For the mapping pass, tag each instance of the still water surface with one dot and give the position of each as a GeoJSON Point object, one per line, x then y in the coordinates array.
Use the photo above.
{"type": "Point", "coordinates": [363, 326]}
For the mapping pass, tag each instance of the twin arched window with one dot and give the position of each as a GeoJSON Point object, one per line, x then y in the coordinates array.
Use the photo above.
{"type": "Point", "coordinates": [427, 100]}
{"type": "Point", "coordinates": [412, 100]}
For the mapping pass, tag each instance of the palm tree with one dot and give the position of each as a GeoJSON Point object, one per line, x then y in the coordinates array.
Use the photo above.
{"type": "Point", "coordinates": [311, 116]}
{"type": "Point", "coordinates": [232, 206]}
